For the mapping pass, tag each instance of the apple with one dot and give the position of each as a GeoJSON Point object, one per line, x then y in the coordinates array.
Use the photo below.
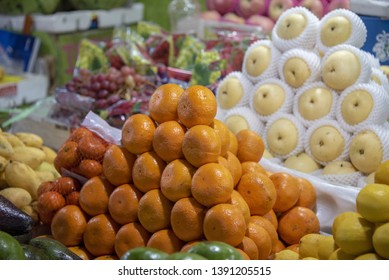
{"type": "Point", "coordinates": [295, 70]}
{"type": "Point", "coordinates": [221, 6]}
{"type": "Point", "coordinates": [264, 22]}
{"type": "Point", "coordinates": [247, 8]}
{"type": "Point", "coordinates": [314, 102]}
{"type": "Point", "coordinates": [356, 106]}
{"type": "Point", "coordinates": [282, 136]}
{"type": "Point", "coordinates": [339, 167]}
{"type": "Point", "coordinates": [315, 6]}
{"type": "Point", "coordinates": [268, 97]}
{"type": "Point", "coordinates": [210, 15]}
{"type": "Point", "coordinates": [366, 151]}
{"type": "Point", "coordinates": [326, 143]}
{"type": "Point", "coordinates": [277, 7]}
{"type": "Point", "coordinates": [233, 18]}
{"type": "Point", "coordinates": [338, 4]}
{"type": "Point", "coordinates": [341, 69]}
{"type": "Point", "coordinates": [302, 162]}
{"type": "Point", "coordinates": [232, 92]}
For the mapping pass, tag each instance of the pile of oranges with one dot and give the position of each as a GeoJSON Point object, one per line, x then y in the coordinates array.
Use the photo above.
{"type": "Point", "coordinates": [181, 176]}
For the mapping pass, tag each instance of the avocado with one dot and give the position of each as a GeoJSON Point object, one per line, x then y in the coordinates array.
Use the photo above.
{"type": "Point", "coordinates": [54, 249]}
{"type": "Point", "coordinates": [10, 248]}
{"type": "Point", "coordinates": [13, 220]}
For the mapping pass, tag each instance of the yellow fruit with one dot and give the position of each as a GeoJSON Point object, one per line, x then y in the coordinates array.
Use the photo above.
{"type": "Point", "coordinates": [354, 236]}
{"type": "Point", "coordinates": [30, 139]}
{"type": "Point", "coordinates": [326, 246]}
{"type": "Point", "coordinates": [372, 203]}
{"type": "Point", "coordinates": [339, 254]}
{"type": "Point", "coordinates": [50, 154]}
{"type": "Point", "coordinates": [309, 245]}
{"type": "Point", "coordinates": [338, 219]}
{"type": "Point", "coordinates": [369, 256]}
{"type": "Point", "coordinates": [381, 240]}
{"type": "Point", "coordinates": [286, 254]}
{"type": "Point", "coordinates": [6, 149]}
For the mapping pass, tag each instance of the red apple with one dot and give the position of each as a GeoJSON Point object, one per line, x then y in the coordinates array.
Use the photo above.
{"type": "Point", "coordinates": [264, 22]}
{"type": "Point", "coordinates": [231, 17]}
{"type": "Point", "coordinates": [210, 15]}
{"type": "Point", "coordinates": [317, 7]}
{"type": "Point", "coordinates": [247, 8]}
{"type": "Point", "coordinates": [277, 7]}
{"type": "Point", "coordinates": [221, 6]}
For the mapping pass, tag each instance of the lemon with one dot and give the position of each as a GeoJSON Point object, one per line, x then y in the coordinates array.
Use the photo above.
{"type": "Point", "coordinates": [326, 246]}
{"type": "Point", "coordinates": [372, 203]}
{"type": "Point", "coordinates": [309, 245]}
{"type": "Point", "coordinates": [354, 236]}
{"type": "Point", "coordinates": [369, 256]}
{"type": "Point", "coordinates": [381, 175]}
{"type": "Point", "coordinates": [339, 254]}
{"type": "Point", "coordinates": [286, 254]}
{"type": "Point", "coordinates": [381, 240]}
{"type": "Point", "coordinates": [342, 216]}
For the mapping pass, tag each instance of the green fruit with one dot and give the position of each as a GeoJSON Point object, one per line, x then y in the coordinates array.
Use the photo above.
{"type": "Point", "coordinates": [144, 253]}
{"type": "Point", "coordinates": [54, 249]}
{"type": "Point", "coordinates": [372, 203]}
{"type": "Point", "coordinates": [185, 256]}
{"type": "Point", "coordinates": [215, 250]}
{"type": "Point", "coordinates": [381, 240]}
{"type": "Point", "coordinates": [354, 236]}
{"type": "Point", "coordinates": [369, 256]}
{"type": "Point", "coordinates": [18, 7]}
{"type": "Point", "coordinates": [338, 219]}
{"type": "Point", "coordinates": [96, 4]}
{"type": "Point", "coordinates": [34, 253]}
{"type": "Point", "coordinates": [10, 248]}
{"type": "Point", "coordinates": [286, 254]}
{"type": "Point", "coordinates": [339, 254]}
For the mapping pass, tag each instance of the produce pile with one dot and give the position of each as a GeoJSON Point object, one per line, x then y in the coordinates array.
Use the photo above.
{"type": "Point", "coordinates": [316, 98]}
{"type": "Point", "coordinates": [177, 177]}
{"type": "Point", "coordinates": [25, 163]}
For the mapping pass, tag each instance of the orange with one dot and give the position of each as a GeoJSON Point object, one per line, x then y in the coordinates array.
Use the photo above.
{"type": "Point", "coordinates": [224, 134]}
{"type": "Point", "coordinates": [272, 217]}
{"type": "Point", "coordinates": [201, 145]}
{"type": "Point", "coordinates": [123, 204]}
{"type": "Point", "coordinates": [294, 247]}
{"type": "Point", "coordinates": [288, 191]}
{"type": "Point", "coordinates": [307, 197]}
{"type": "Point", "coordinates": [176, 179]}
{"type": "Point", "coordinates": [261, 238]}
{"type": "Point", "coordinates": [147, 171]}
{"type": "Point", "coordinates": [137, 134]}
{"type": "Point", "coordinates": [212, 183]}
{"type": "Point", "coordinates": [89, 168]}
{"type": "Point", "coordinates": [166, 241]}
{"type": "Point", "coordinates": [73, 198]}
{"type": "Point", "coordinates": [92, 147]}
{"type": "Point", "coordinates": [238, 201]}
{"type": "Point", "coordinates": [224, 222]}
{"type": "Point", "coordinates": [258, 191]}
{"type": "Point", "coordinates": [187, 219]}
{"type": "Point", "coordinates": [296, 223]}
{"type": "Point", "coordinates": [266, 224]}
{"type": "Point", "coordinates": [252, 166]}
{"type": "Point", "coordinates": [196, 106]}
{"type": "Point", "coordinates": [79, 133]}
{"type": "Point", "coordinates": [232, 163]}
{"type": "Point", "coordinates": [154, 211]}
{"type": "Point", "coordinates": [67, 157]}
{"type": "Point", "coordinates": [189, 245]}
{"type": "Point", "coordinates": [68, 225]}
{"type": "Point", "coordinates": [81, 252]}
{"type": "Point", "coordinates": [278, 246]}
{"type": "Point", "coordinates": [167, 140]}
{"type": "Point", "coordinates": [106, 258]}
{"type": "Point", "coordinates": [117, 165]}
{"type": "Point", "coordinates": [249, 247]}
{"type": "Point", "coordinates": [45, 186]}
{"type": "Point", "coordinates": [163, 103]}
{"type": "Point", "coordinates": [233, 146]}
{"type": "Point", "coordinates": [250, 145]}
{"type": "Point", "coordinates": [130, 236]}
{"type": "Point", "coordinates": [94, 196]}
{"type": "Point", "coordinates": [65, 185]}
{"type": "Point", "coordinates": [48, 204]}
{"type": "Point", "coordinates": [99, 235]}
{"type": "Point", "coordinates": [243, 254]}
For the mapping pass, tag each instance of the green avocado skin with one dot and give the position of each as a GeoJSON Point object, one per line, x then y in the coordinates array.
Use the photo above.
{"type": "Point", "coordinates": [53, 249]}
{"type": "Point", "coordinates": [144, 253]}
{"type": "Point", "coordinates": [10, 248]}
{"type": "Point", "coordinates": [13, 220]}
{"type": "Point", "coordinates": [215, 250]}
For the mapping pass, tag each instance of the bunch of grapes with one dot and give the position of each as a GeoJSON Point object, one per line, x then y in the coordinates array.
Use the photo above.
{"type": "Point", "coordinates": [110, 87]}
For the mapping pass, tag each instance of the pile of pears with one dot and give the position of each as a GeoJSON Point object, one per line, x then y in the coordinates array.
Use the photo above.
{"type": "Point", "coordinates": [359, 235]}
